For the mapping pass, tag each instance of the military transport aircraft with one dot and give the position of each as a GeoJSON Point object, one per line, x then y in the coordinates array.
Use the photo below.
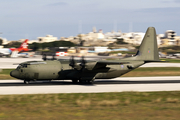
{"type": "Point", "coordinates": [84, 71]}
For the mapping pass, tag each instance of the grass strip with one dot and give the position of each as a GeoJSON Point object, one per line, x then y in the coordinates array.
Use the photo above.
{"type": "Point", "coordinates": [125, 105]}
{"type": "Point", "coordinates": [153, 71]}
{"type": "Point", "coordinates": [5, 71]}
{"type": "Point", "coordinates": [5, 74]}
{"type": "Point", "coordinates": [171, 60]}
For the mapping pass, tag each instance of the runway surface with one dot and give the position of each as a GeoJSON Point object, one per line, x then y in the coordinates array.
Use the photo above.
{"type": "Point", "coordinates": [141, 84]}
{"type": "Point", "coordinates": [7, 63]}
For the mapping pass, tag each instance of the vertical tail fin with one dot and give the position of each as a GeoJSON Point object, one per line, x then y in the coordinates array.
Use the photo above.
{"type": "Point", "coordinates": [24, 44]}
{"type": "Point", "coordinates": [148, 50]}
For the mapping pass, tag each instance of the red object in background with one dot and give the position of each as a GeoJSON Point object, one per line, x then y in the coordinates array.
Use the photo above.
{"type": "Point", "coordinates": [22, 48]}
{"type": "Point", "coordinates": [61, 53]}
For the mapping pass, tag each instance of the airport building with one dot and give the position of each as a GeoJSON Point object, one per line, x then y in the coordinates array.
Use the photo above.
{"type": "Point", "coordinates": [134, 38]}
{"type": "Point", "coordinates": [48, 38]}
{"type": "Point", "coordinates": [170, 34]}
{"type": "Point", "coordinates": [4, 41]}
{"type": "Point", "coordinates": [98, 38]}
{"type": "Point", "coordinates": [170, 38]}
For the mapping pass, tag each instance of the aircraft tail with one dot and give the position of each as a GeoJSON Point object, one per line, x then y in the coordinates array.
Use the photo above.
{"type": "Point", "coordinates": [148, 50]}
{"type": "Point", "coordinates": [24, 44]}
{"type": "Point", "coordinates": [23, 48]}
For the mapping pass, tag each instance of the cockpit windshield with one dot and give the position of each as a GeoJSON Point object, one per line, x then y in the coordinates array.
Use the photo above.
{"type": "Point", "coordinates": [19, 67]}
{"type": "Point", "coordinates": [22, 66]}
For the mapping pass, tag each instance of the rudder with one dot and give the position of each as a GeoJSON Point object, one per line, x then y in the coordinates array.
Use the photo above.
{"type": "Point", "coordinates": [148, 50]}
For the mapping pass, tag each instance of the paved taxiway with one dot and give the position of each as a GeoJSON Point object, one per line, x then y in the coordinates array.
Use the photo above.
{"type": "Point", "coordinates": [114, 85]}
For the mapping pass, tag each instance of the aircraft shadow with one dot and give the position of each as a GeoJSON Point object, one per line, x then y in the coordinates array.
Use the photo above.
{"type": "Point", "coordinates": [96, 82]}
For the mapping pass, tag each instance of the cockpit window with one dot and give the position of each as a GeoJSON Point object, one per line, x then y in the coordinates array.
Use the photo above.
{"type": "Point", "coordinates": [22, 66]}
{"type": "Point", "coordinates": [19, 67]}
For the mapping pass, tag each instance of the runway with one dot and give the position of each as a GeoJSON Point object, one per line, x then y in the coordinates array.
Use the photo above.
{"type": "Point", "coordinates": [141, 84]}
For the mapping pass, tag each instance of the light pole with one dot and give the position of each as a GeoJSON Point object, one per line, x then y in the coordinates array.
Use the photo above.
{"type": "Point", "coordinates": [1, 39]}
{"type": "Point", "coordinates": [1, 34]}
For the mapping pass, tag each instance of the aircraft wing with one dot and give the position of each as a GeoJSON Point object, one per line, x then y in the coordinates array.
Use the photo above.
{"type": "Point", "coordinates": [111, 62]}
{"type": "Point", "coordinates": [101, 64]}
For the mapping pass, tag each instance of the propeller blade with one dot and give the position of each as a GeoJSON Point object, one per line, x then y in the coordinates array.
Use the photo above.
{"type": "Point", "coordinates": [72, 62]}
{"type": "Point", "coordinates": [44, 57]}
{"type": "Point", "coordinates": [54, 57]}
{"type": "Point", "coordinates": [83, 62]}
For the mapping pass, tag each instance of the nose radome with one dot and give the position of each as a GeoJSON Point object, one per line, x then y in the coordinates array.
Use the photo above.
{"type": "Point", "coordinates": [14, 73]}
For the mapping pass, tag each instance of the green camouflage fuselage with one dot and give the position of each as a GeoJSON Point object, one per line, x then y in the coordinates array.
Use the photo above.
{"type": "Point", "coordinates": [60, 70]}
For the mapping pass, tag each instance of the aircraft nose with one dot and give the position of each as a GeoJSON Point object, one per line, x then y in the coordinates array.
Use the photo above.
{"type": "Point", "coordinates": [14, 73]}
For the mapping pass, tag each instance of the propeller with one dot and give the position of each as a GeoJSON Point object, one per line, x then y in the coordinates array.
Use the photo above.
{"type": "Point", "coordinates": [44, 57]}
{"type": "Point", "coordinates": [72, 62]}
{"type": "Point", "coordinates": [83, 62]}
{"type": "Point", "coordinates": [80, 66]}
{"type": "Point", "coordinates": [54, 57]}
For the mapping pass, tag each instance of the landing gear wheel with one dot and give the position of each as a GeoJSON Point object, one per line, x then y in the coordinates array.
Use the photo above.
{"type": "Point", "coordinates": [75, 81]}
{"type": "Point", "coordinates": [86, 81]}
{"type": "Point", "coordinates": [81, 81]}
{"type": "Point", "coordinates": [26, 82]}
{"type": "Point", "coordinates": [90, 81]}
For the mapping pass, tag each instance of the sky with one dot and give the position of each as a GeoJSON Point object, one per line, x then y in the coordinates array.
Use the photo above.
{"type": "Point", "coordinates": [29, 19]}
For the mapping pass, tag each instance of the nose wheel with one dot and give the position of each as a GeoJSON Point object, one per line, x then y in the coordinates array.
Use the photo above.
{"type": "Point", "coordinates": [26, 81]}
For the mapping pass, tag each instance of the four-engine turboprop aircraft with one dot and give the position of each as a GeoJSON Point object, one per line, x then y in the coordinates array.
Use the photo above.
{"type": "Point", "coordinates": [88, 71]}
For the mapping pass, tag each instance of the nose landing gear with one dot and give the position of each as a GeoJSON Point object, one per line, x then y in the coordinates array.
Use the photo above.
{"type": "Point", "coordinates": [26, 81]}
